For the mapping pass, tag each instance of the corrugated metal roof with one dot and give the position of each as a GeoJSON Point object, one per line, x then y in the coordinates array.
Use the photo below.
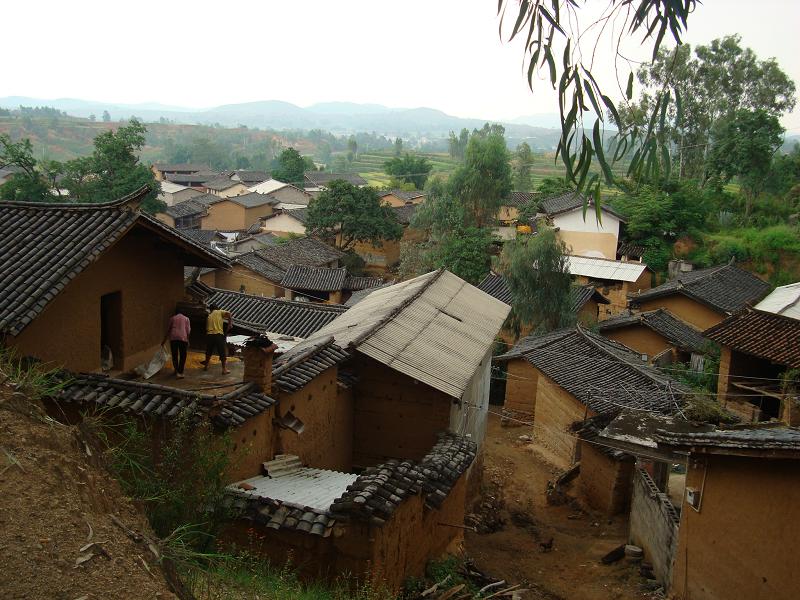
{"type": "Point", "coordinates": [170, 188]}
{"type": "Point", "coordinates": [784, 300]}
{"type": "Point", "coordinates": [314, 488]}
{"type": "Point", "coordinates": [603, 268]}
{"type": "Point", "coordinates": [435, 328]}
{"type": "Point", "coordinates": [268, 186]}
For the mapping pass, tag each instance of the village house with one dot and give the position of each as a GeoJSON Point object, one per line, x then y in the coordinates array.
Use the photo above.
{"type": "Point", "coordinates": [401, 198]}
{"type": "Point", "coordinates": [286, 222]}
{"type": "Point", "coordinates": [194, 180]}
{"type": "Point", "coordinates": [80, 281]}
{"type": "Point", "coordinates": [163, 171]}
{"type": "Point", "coordinates": [659, 335]}
{"type": "Point", "coordinates": [224, 187]}
{"type": "Point", "coordinates": [248, 242]}
{"type": "Point", "coordinates": [248, 177]}
{"type": "Point", "coordinates": [510, 207]}
{"type": "Point", "coordinates": [759, 350]}
{"type": "Point", "coordinates": [740, 519]}
{"type": "Point", "coordinates": [583, 235]}
{"type": "Point", "coordinates": [322, 284]}
{"type": "Point", "coordinates": [615, 279]}
{"type": "Point", "coordinates": [237, 212]}
{"type": "Point", "coordinates": [317, 181]}
{"type": "Point", "coordinates": [567, 376]}
{"type": "Point", "coordinates": [703, 297]}
{"type": "Point", "coordinates": [382, 257]}
{"type": "Point", "coordinates": [187, 214]}
{"type": "Point", "coordinates": [287, 195]}
{"type": "Point", "coordinates": [173, 193]}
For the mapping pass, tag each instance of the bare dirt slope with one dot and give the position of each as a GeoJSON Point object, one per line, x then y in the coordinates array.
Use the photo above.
{"type": "Point", "coordinates": [55, 500]}
{"type": "Point", "coordinates": [517, 477]}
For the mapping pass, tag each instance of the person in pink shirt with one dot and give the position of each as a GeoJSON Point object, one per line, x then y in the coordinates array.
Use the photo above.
{"type": "Point", "coordinates": [178, 332]}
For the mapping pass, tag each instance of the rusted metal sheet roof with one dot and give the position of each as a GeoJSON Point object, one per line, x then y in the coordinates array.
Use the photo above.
{"type": "Point", "coordinates": [435, 328]}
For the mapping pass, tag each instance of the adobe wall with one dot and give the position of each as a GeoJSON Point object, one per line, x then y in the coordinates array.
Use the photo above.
{"type": "Point", "coordinates": [686, 310]}
{"type": "Point", "coordinates": [605, 482]}
{"type": "Point", "coordinates": [254, 215]}
{"type": "Point", "coordinates": [395, 416]}
{"type": "Point", "coordinates": [556, 411]}
{"type": "Point", "coordinates": [253, 443]}
{"type": "Point", "coordinates": [237, 189]}
{"type": "Point", "coordinates": [653, 526]}
{"type": "Point", "coordinates": [150, 278]}
{"type": "Point", "coordinates": [640, 338]}
{"type": "Point", "coordinates": [584, 243]}
{"type": "Point", "coordinates": [225, 215]}
{"type": "Point", "coordinates": [589, 313]}
{"type": "Point", "coordinates": [253, 283]}
{"type": "Point", "coordinates": [327, 440]}
{"type": "Point", "coordinates": [166, 219]}
{"type": "Point", "coordinates": [743, 542]}
{"type": "Point", "coordinates": [521, 381]}
{"type": "Point", "coordinates": [723, 374]}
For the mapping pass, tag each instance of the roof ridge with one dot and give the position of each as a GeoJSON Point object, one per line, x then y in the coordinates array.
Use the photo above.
{"type": "Point", "coordinates": [639, 368]}
{"type": "Point", "coordinates": [131, 200]}
{"type": "Point", "coordinates": [362, 337]}
{"type": "Point", "coordinates": [314, 305]}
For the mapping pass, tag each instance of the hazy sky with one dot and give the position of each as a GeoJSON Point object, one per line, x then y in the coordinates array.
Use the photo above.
{"type": "Point", "coordinates": [444, 54]}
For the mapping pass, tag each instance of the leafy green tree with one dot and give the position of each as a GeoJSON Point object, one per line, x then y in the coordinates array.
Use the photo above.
{"type": "Point", "coordinates": [106, 117]}
{"type": "Point", "coordinates": [523, 163]}
{"type": "Point", "coordinates": [484, 179]}
{"type": "Point", "coordinates": [398, 146]}
{"type": "Point", "coordinates": [537, 273]}
{"type": "Point", "coordinates": [352, 147]}
{"type": "Point", "coordinates": [465, 252]}
{"type": "Point", "coordinates": [345, 215]}
{"type": "Point", "coordinates": [290, 167]}
{"type": "Point", "coordinates": [27, 184]}
{"type": "Point", "coordinates": [457, 144]}
{"type": "Point", "coordinates": [743, 147]}
{"type": "Point", "coordinates": [409, 169]}
{"type": "Point", "coordinates": [550, 186]}
{"type": "Point", "coordinates": [784, 173]}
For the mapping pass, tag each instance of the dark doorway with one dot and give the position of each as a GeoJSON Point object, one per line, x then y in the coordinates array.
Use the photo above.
{"type": "Point", "coordinates": [111, 329]}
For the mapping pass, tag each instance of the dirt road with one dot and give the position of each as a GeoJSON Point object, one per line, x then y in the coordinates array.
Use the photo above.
{"type": "Point", "coordinates": [571, 570]}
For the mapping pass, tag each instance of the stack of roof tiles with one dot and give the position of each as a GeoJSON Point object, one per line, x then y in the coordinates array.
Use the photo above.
{"type": "Point", "coordinates": [296, 369]}
{"type": "Point", "coordinates": [378, 492]}
{"type": "Point", "coordinates": [663, 322]}
{"type": "Point", "coordinates": [602, 374]}
{"type": "Point", "coordinates": [227, 410]}
{"type": "Point", "coordinates": [725, 288]}
{"type": "Point", "coordinates": [762, 334]}
{"type": "Point", "coordinates": [298, 319]}
{"type": "Point", "coordinates": [276, 514]}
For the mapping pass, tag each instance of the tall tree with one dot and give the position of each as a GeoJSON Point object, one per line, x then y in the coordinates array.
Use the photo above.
{"type": "Point", "coordinates": [27, 184]}
{"type": "Point", "coordinates": [106, 117]}
{"type": "Point", "coordinates": [352, 147]}
{"type": "Point", "coordinates": [345, 215]}
{"type": "Point", "coordinates": [409, 169]}
{"type": "Point", "coordinates": [398, 146]}
{"type": "Point", "coordinates": [743, 147]}
{"type": "Point", "coordinates": [290, 167]}
{"type": "Point", "coordinates": [484, 179]}
{"type": "Point", "coordinates": [523, 163]}
{"type": "Point", "coordinates": [536, 270]}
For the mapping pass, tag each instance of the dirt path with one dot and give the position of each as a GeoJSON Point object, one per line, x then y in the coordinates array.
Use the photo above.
{"type": "Point", "coordinates": [572, 570]}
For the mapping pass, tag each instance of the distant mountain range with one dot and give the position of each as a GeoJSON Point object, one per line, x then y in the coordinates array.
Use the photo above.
{"type": "Point", "coordinates": [336, 117]}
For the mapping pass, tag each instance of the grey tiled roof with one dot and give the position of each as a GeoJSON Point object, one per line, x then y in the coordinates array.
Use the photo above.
{"type": "Point", "coordinates": [323, 178]}
{"type": "Point", "coordinates": [197, 205]}
{"type": "Point", "coordinates": [379, 491]}
{"type": "Point", "coordinates": [726, 288]}
{"type": "Point", "coordinates": [755, 438]}
{"type": "Point", "coordinates": [173, 167]}
{"type": "Point", "coordinates": [296, 369]}
{"type": "Point", "coordinates": [402, 194]}
{"type": "Point", "coordinates": [404, 214]}
{"type": "Point", "coordinates": [568, 201]}
{"type": "Point", "coordinates": [44, 246]}
{"type": "Point", "coordinates": [362, 283]}
{"type": "Point", "coordinates": [299, 319]}
{"type": "Point", "coordinates": [763, 334]}
{"type": "Point", "coordinates": [258, 264]}
{"type": "Point", "coordinates": [602, 374]}
{"type": "Point", "coordinates": [139, 398]}
{"type": "Point", "coordinates": [663, 322]}
{"type": "Point", "coordinates": [196, 177]}
{"type": "Point", "coordinates": [276, 514]}
{"type": "Point", "coordinates": [301, 251]}
{"type": "Point", "coordinates": [301, 214]}
{"type": "Point", "coordinates": [251, 177]}
{"type": "Point", "coordinates": [631, 250]}
{"type": "Point", "coordinates": [520, 199]}
{"type": "Point", "coordinates": [251, 199]}
{"type": "Point", "coordinates": [315, 279]}
{"type": "Point", "coordinates": [496, 286]}
{"type": "Point", "coordinates": [202, 236]}
{"type": "Point", "coordinates": [220, 183]}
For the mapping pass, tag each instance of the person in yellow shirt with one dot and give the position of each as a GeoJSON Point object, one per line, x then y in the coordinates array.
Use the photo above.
{"type": "Point", "coordinates": [217, 325]}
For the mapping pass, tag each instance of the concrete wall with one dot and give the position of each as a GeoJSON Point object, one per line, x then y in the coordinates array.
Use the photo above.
{"type": "Point", "coordinates": [640, 338]}
{"type": "Point", "coordinates": [686, 309]}
{"type": "Point", "coordinates": [654, 526]}
{"type": "Point", "coordinates": [556, 411]}
{"type": "Point", "coordinates": [395, 416]}
{"type": "Point", "coordinates": [521, 386]}
{"type": "Point", "coordinates": [149, 277]}
{"type": "Point", "coordinates": [238, 276]}
{"type": "Point", "coordinates": [327, 440]}
{"type": "Point", "coordinates": [605, 481]}
{"type": "Point", "coordinates": [743, 542]}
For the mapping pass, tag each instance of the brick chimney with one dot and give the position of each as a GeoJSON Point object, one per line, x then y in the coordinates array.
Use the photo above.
{"type": "Point", "coordinates": [258, 354]}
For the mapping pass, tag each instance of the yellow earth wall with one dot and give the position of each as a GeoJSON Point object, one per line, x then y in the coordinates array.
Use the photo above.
{"type": "Point", "coordinates": [686, 309]}
{"type": "Point", "coordinates": [521, 386]}
{"type": "Point", "coordinates": [253, 282]}
{"type": "Point", "coordinates": [556, 411]}
{"type": "Point", "coordinates": [252, 444]}
{"type": "Point", "coordinates": [639, 338]}
{"type": "Point", "coordinates": [605, 482]}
